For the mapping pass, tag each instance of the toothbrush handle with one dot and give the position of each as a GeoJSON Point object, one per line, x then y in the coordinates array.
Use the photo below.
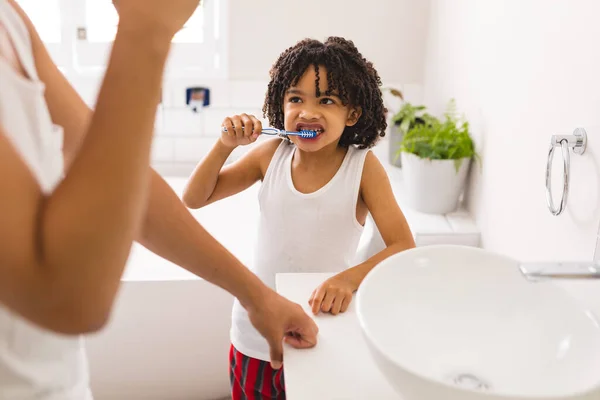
{"type": "Point", "coordinates": [267, 131]}
{"type": "Point", "coordinates": [224, 129]}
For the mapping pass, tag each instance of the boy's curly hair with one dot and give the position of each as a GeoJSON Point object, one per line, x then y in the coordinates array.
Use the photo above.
{"type": "Point", "coordinates": [348, 72]}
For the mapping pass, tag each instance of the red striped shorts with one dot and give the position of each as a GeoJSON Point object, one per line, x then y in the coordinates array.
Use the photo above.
{"type": "Point", "coordinates": [253, 379]}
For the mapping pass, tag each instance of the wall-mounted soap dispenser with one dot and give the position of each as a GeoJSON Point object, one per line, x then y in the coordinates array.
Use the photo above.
{"type": "Point", "coordinates": [197, 98]}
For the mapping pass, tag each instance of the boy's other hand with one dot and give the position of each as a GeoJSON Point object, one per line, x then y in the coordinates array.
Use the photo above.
{"type": "Point", "coordinates": [333, 296]}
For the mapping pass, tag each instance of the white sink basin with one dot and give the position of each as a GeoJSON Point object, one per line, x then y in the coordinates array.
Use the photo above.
{"type": "Point", "coordinates": [460, 323]}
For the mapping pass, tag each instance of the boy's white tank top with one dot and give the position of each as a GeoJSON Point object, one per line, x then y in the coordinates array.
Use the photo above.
{"type": "Point", "coordinates": [34, 363]}
{"type": "Point", "coordinates": [298, 232]}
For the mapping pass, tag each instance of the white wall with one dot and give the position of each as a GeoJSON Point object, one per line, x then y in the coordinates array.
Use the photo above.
{"type": "Point", "coordinates": [390, 33]}
{"type": "Point", "coordinates": [523, 71]}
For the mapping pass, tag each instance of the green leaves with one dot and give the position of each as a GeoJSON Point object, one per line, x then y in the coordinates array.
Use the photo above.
{"type": "Point", "coordinates": [408, 116]}
{"type": "Point", "coordinates": [439, 141]}
{"type": "Point", "coordinates": [435, 139]}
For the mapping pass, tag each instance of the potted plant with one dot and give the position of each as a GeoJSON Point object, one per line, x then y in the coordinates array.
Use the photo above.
{"type": "Point", "coordinates": [436, 155]}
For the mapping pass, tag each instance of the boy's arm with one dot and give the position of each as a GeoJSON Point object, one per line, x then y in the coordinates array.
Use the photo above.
{"type": "Point", "coordinates": [211, 182]}
{"type": "Point", "coordinates": [377, 194]}
{"type": "Point", "coordinates": [335, 294]}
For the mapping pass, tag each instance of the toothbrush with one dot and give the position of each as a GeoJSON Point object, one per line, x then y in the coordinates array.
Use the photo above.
{"type": "Point", "coordinates": [284, 134]}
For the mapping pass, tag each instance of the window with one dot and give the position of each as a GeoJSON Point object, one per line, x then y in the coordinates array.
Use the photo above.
{"type": "Point", "coordinates": [79, 34]}
{"type": "Point", "coordinates": [46, 18]}
{"type": "Point", "coordinates": [101, 20]}
{"type": "Point", "coordinates": [196, 48]}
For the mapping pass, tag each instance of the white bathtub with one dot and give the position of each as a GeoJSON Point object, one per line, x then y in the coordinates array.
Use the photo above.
{"type": "Point", "coordinates": [169, 333]}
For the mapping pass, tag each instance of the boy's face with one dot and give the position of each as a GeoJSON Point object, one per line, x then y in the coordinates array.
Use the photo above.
{"type": "Point", "coordinates": [302, 109]}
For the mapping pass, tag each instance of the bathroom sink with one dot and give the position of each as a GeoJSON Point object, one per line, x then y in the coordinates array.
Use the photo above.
{"type": "Point", "coordinates": [460, 323]}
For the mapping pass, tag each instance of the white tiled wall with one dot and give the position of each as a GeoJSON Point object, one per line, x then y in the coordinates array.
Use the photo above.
{"type": "Point", "coordinates": [183, 137]}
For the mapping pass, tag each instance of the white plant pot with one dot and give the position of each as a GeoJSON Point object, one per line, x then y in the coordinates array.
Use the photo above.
{"type": "Point", "coordinates": [433, 186]}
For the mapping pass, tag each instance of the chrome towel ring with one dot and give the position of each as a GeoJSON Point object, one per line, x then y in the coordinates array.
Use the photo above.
{"type": "Point", "coordinates": [578, 142]}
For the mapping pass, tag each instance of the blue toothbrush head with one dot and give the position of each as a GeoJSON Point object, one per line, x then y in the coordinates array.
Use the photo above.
{"type": "Point", "coordinates": [307, 134]}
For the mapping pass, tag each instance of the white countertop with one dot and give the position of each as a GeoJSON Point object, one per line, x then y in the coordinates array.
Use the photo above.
{"type": "Point", "coordinates": [340, 366]}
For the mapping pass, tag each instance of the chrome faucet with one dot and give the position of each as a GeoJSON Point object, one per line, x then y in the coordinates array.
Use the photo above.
{"type": "Point", "coordinates": [564, 270]}
{"type": "Point", "coordinates": [561, 270]}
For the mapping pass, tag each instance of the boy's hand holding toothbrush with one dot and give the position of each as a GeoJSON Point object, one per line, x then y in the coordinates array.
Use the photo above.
{"type": "Point", "coordinates": [243, 129]}
{"type": "Point", "coordinates": [240, 130]}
